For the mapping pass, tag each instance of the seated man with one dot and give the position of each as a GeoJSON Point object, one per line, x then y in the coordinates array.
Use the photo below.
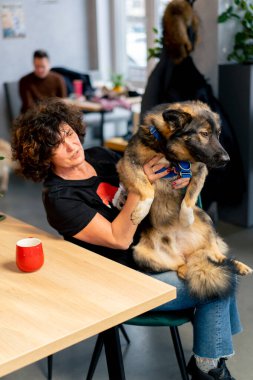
{"type": "Point", "coordinates": [41, 83]}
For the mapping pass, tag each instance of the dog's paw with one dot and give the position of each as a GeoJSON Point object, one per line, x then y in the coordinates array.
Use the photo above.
{"type": "Point", "coordinates": [186, 215]}
{"type": "Point", "coordinates": [141, 210]}
{"type": "Point", "coordinates": [243, 269]}
{"type": "Point", "coordinates": [120, 197]}
{"type": "Point", "coordinates": [182, 271]}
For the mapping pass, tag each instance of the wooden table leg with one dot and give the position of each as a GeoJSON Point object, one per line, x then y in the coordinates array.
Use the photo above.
{"type": "Point", "coordinates": [113, 354]}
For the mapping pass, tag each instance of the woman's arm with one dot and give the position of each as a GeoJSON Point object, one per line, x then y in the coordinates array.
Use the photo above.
{"type": "Point", "coordinates": [119, 233]}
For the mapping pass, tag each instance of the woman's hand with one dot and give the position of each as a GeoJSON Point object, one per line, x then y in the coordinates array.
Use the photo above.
{"type": "Point", "coordinates": [180, 183]}
{"type": "Point", "coordinates": [152, 166]}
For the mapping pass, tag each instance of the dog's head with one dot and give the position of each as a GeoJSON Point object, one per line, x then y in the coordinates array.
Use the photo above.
{"type": "Point", "coordinates": [189, 131]}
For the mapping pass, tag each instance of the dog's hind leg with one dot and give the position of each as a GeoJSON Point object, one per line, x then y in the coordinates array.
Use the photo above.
{"type": "Point", "coordinates": [237, 266]}
{"type": "Point", "coordinates": [182, 271]}
{"type": "Point", "coordinates": [155, 252]}
{"type": "Point", "coordinates": [208, 279]}
{"type": "Point", "coordinates": [242, 269]}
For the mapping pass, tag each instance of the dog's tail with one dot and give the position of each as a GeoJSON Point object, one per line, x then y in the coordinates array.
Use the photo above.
{"type": "Point", "coordinates": [209, 279]}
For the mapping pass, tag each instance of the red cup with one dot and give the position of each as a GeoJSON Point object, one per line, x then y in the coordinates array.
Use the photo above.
{"type": "Point", "coordinates": [29, 254]}
{"type": "Point", "coordinates": [78, 87]}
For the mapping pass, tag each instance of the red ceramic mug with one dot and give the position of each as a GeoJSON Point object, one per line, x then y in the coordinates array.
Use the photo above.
{"type": "Point", "coordinates": [29, 254]}
{"type": "Point", "coordinates": [78, 87]}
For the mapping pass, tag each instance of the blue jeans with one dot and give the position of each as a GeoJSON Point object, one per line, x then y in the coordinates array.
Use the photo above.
{"type": "Point", "coordinates": [215, 321]}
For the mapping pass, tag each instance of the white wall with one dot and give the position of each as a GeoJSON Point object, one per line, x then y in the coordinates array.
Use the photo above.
{"type": "Point", "coordinates": [59, 28]}
{"type": "Point", "coordinates": [206, 52]}
{"type": "Point", "coordinates": [226, 33]}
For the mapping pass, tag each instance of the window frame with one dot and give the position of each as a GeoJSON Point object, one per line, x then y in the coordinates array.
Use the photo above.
{"type": "Point", "coordinates": [108, 26]}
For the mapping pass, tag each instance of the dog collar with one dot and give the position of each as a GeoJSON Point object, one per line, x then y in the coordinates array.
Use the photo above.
{"type": "Point", "coordinates": [180, 168]}
{"type": "Point", "coordinates": [155, 133]}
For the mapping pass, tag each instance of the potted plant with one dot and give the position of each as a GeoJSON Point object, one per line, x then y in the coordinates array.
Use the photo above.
{"type": "Point", "coordinates": [242, 12]}
{"type": "Point", "coordinates": [118, 83]}
{"type": "Point", "coordinates": [155, 51]}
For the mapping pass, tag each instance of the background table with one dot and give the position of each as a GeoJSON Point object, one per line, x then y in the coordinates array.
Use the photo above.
{"type": "Point", "coordinates": [118, 144]}
{"type": "Point", "coordinates": [75, 295]}
{"type": "Point", "coordinates": [105, 115]}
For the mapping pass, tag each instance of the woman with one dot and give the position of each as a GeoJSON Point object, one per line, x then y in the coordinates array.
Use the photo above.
{"type": "Point", "coordinates": [78, 191]}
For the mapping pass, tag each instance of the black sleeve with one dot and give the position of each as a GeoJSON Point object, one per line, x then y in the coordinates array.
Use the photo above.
{"type": "Point", "coordinates": [101, 154]}
{"type": "Point", "coordinates": [68, 217]}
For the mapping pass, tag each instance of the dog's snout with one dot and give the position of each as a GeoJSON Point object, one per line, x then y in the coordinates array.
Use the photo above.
{"type": "Point", "coordinates": [225, 158]}
{"type": "Point", "coordinates": [221, 158]}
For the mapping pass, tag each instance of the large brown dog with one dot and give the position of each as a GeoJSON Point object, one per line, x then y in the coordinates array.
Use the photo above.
{"type": "Point", "coordinates": [178, 235]}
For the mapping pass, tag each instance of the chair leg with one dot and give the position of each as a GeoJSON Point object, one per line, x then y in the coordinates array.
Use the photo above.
{"type": "Point", "coordinates": [95, 357]}
{"type": "Point", "coordinates": [179, 352]}
{"type": "Point", "coordinates": [49, 367]}
{"type": "Point", "coordinates": [124, 333]}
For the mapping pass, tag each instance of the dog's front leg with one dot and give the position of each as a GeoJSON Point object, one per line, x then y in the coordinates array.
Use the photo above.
{"type": "Point", "coordinates": [134, 179]}
{"type": "Point", "coordinates": [199, 173]}
{"type": "Point", "coordinates": [142, 209]}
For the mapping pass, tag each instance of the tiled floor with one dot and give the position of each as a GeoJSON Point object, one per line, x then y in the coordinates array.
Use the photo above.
{"type": "Point", "coordinates": [150, 355]}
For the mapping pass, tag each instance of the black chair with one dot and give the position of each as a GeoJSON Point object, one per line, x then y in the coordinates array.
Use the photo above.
{"type": "Point", "coordinates": [70, 75]}
{"type": "Point", "coordinates": [13, 100]}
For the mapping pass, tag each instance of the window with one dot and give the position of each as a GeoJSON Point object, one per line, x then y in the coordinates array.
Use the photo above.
{"type": "Point", "coordinates": [136, 39]}
{"type": "Point", "coordinates": [141, 17]}
{"type": "Point", "coordinates": [126, 29]}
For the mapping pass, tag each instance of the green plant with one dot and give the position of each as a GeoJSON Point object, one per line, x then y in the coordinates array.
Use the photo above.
{"type": "Point", "coordinates": [242, 11]}
{"type": "Point", "coordinates": [155, 51]}
{"type": "Point", "coordinates": [117, 80]}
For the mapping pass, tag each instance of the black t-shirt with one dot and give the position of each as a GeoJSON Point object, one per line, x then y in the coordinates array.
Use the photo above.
{"type": "Point", "coordinates": [71, 204]}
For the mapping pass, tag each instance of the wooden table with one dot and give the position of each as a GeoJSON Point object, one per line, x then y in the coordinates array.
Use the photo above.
{"type": "Point", "coordinates": [88, 107]}
{"type": "Point", "coordinates": [75, 295]}
{"type": "Point", "coordinates": [117, 144]}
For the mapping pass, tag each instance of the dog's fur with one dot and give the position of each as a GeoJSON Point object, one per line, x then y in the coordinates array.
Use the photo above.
{"type": "Point", "coordinates": [179, 235]}
{"type": "Point", "coordinates": [180, 29]}
{"type": "Point", "coordinates": [6, 165]}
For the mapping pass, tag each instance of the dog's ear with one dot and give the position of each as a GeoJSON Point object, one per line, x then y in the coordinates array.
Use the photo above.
{"type": "Point", "coordinates": [176, 119]}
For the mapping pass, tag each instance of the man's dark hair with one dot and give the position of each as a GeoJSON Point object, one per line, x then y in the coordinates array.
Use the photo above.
{"type": "Point", "coordinates": [37, 133]}
{"type": "Point", "coordinates": [40, 54]}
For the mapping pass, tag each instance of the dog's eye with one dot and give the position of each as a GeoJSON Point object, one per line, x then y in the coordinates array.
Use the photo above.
{"type": "Point", "coordinates": [204, 134]}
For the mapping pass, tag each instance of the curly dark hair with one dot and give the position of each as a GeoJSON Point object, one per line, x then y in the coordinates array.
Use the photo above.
{"type": "Point", "coordinates": [37, 133]}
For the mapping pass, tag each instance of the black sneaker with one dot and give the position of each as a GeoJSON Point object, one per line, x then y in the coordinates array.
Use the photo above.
{"type": "Point", "coordinates": [219, 373]}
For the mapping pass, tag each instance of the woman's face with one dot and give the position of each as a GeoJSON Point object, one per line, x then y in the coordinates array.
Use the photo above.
{"type": "Point", "coordinates": [69, 153]}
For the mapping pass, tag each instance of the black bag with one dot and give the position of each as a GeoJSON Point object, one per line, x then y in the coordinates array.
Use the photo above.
{"type": "Point", "coordinates": [70, 75]}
